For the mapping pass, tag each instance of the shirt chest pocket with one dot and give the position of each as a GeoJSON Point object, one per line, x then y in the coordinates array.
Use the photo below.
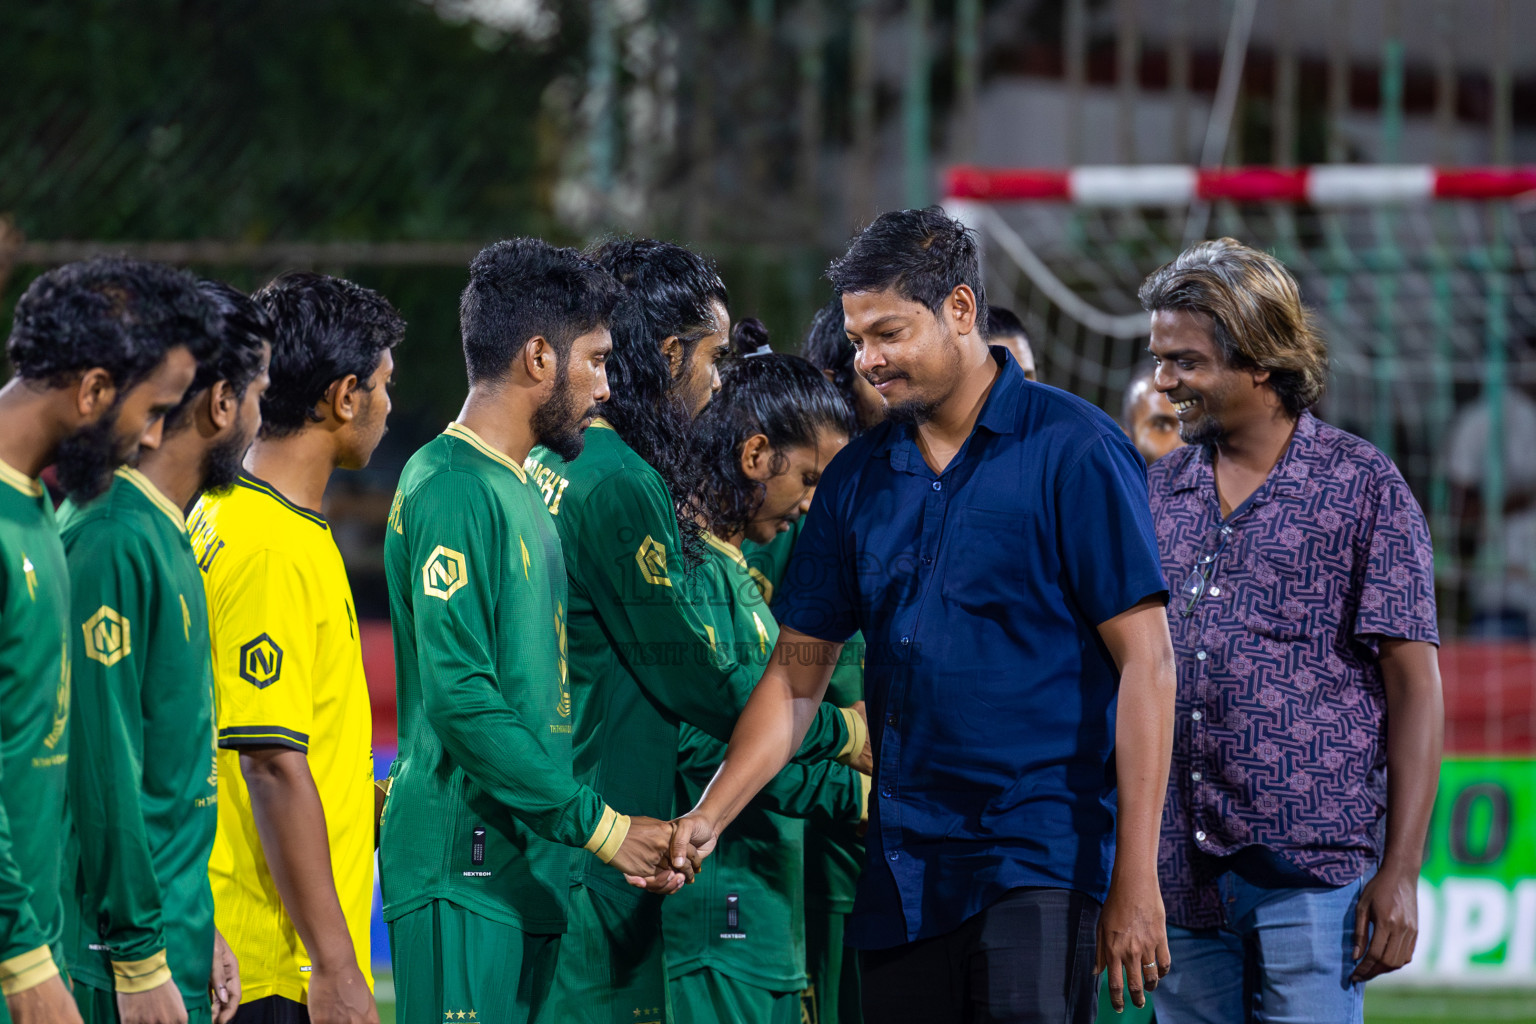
{"type": "Point", "coordinates": [1278, 599]}
{"type": "Point", "coordinates": [994, 560]}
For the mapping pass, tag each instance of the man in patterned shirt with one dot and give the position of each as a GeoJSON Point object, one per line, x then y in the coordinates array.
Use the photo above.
{"type": "Point", "coordinates": [1304, 623]}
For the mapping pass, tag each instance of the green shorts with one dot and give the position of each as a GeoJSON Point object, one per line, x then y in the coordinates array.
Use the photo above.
{"type": "Point", "coordinates": [453, 964]}
{"type": "Point", "coordinates": [612, 969]}
{"type": "Point", "coordinates": [706, 996]}
{"type": "Point", "coordinates": [833, 996]}
{"type": "Point", "coordinates": [98, 1006]}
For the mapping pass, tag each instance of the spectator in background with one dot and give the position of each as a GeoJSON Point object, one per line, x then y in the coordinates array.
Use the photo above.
{"type": "Point", "coordinates": [1304, 622]}
{"type": "Point", "coordinates": [1007, 330]}
{"type": "Point", "coordinates": [1147, 416]}
{"type": "Point", "coordinates": [1503, 593]}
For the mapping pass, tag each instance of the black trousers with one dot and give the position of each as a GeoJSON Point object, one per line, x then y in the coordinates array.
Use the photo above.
{"type": "Point", "coordinates": [272, 1010]}
{"type": "Point", "coordinates": [1026, 959]}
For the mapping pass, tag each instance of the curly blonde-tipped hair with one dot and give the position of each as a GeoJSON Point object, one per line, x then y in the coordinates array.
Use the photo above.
{"type": "Point", "coordinates": [1257, 318]}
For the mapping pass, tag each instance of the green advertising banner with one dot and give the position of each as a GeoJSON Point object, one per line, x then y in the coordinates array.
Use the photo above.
{"type": "Point", "coordinates": [1477, 897]}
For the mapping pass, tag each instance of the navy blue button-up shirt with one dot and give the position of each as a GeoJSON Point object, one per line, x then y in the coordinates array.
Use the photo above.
{"type": "Point", "coordinates": [991, 695]}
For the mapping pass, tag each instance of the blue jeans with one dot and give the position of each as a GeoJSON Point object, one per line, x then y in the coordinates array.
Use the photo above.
{"type": "Point", "coordinates": [1282, 958]}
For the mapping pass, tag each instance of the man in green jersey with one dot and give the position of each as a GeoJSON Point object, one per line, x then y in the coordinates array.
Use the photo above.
{"type": "Point", "coordinates": [143, 783]}
{"type": "Point", "coordinates": [101, 351]}
{"type": "Point", "coordinates": [736, 943]}
{"type": "Point", "coordinates": [640, 658]}
{"type": "Point", "coordinates": [483, 811]}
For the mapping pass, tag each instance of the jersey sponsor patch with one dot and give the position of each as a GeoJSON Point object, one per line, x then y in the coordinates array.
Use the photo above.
{"type": "Point", "coordinates": [107, 636]}
{"type": "Point", "coordinates": [652, 558]}
{"type": "Point", "coordinates": [444, 573]}
{"type": "Point", "coordinates": [261, 662]}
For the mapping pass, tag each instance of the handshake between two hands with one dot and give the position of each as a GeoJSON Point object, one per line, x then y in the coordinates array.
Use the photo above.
{"type": "Point", "coordinates": [663, 856]}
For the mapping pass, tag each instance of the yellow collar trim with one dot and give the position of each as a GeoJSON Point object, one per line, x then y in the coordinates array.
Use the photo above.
{"type": "Point", "coordinates": [19, 480]}
{"type": "Point", "coordinates": [463, 433]}
{"type": "Point", "coordinates": [726, 549]}
{"type": "Point", "coordinates": [154, 494]}
{"type": "Point", "coordinates": [604, 424]}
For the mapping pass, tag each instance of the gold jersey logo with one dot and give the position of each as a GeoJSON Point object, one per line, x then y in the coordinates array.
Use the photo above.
{"type": "Point", "coordinates": [394, 513]}
{"type": "Point", "coordinates": [564, 707]}
{"type": "Point", "coordinates": [108, 636]}
{"type": "Point", "coordinates": [30, 571]}
{"type": "Point", "coordinates": [61, 700]}
{"type": "Point", "coordinates": [444, 573]}
{"type": "Point", "coordinates": [652, 558]}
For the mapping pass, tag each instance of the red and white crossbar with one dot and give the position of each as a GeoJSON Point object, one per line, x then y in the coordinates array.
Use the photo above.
{"type": "Point", "coordinates": [1174, 185]}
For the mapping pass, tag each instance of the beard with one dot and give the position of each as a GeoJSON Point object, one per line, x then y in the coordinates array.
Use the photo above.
{"type": "Point", "coordinates": [222, 464]}
{"type": "Point", "coordinates": [556, 424]}
{"type": "Point", "coordinates": [1208, 430]}
{"type": "Point", "coordinates": [914, 411]}
{"type": "Point", "coordinates": [86, 459]}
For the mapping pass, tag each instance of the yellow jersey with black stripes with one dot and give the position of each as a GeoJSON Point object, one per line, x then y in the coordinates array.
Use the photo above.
{"type": "Point", "coordinates": [288, 670]}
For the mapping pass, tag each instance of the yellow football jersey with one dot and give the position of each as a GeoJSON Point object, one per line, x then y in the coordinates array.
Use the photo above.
{"type": "Point", "coordinates": [289, 672]}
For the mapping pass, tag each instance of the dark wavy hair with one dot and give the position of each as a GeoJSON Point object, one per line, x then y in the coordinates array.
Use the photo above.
{"type": "Point", "coordinates": [827, 348]}
{"type": "Point", "coordinates": [1257, 317]}
{"type": "Point", "coordinates": [238, 358]}
{"type": "Point", "coordinates": [117, 314]}
{"type": "Point", "coordinates": [522, 288]}
{"type": "Point", "coordinates": [323, 329]}
{"type": "Point", "coordinates": [668, 291]}
{"type": "Point", "coordinates": [782, 397]}
{"type": "Point", "coordinates": [922, 255]}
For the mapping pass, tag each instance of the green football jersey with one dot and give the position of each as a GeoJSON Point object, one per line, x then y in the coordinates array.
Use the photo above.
{"type": "Point", "coordinates": [745, 915]}
{"type": "Point", "coordinates": [834, 852]}
{"type": "Point", "coordinates": [143, 782]}
{"type": "Point", "coordinates": [34, 721]}
{"type": "Point", "coordinates": [641, 662]}
{"type": "Point", "coordinates": [483, 810]}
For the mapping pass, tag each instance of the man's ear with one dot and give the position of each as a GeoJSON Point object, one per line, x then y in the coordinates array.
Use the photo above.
{"type": "Point", "coordinates": [1260, 377]}
{"type": "Point", "coordinates": [672, 349]}
{"type": "Point", "coordinates": [757, 458]}
{"type": "Point", "coordinates": [540, 360]}
{"type": "Point", "coordinates": [345, 397]}
{"type": "Point", "coordinates": [960, 309]}
{"type": "Point", "coordinates": [94, 394]}
{"type": "Point", "coordinates": [223, 404]}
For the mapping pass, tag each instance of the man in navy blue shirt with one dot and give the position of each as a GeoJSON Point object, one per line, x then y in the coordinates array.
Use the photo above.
{"type": "Point", "coordinates": [993, 541]}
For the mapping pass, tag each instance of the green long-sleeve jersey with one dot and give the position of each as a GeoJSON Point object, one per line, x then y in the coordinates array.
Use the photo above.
{"type": "Point", "coordinates": [483, 810]}
{"type": "Point", "coordinates": [834, 851]}
{"type": "Point", "coordinates": [745, 916]}
{"type": "Point", "coordinates": [143, 781]}
{"type": "Point", "coordinates": [34, 721]}
{"type": "Point", "coordinates": [641, 662]}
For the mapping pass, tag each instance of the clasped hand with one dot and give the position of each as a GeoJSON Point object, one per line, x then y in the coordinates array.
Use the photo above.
{"type": "Point", "coordinates": [663, 856]}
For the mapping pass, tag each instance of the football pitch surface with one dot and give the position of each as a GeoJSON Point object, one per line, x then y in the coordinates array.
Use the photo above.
{"type": "Point", "coordinates": [1382, 1006]}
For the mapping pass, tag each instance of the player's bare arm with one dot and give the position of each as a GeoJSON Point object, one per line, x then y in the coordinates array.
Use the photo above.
{"type": "Point", "coordinates": [291, 822]}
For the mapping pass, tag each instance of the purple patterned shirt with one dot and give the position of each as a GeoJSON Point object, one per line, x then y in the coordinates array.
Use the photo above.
{"type": "Point", "coordinates": [1279, 727]}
